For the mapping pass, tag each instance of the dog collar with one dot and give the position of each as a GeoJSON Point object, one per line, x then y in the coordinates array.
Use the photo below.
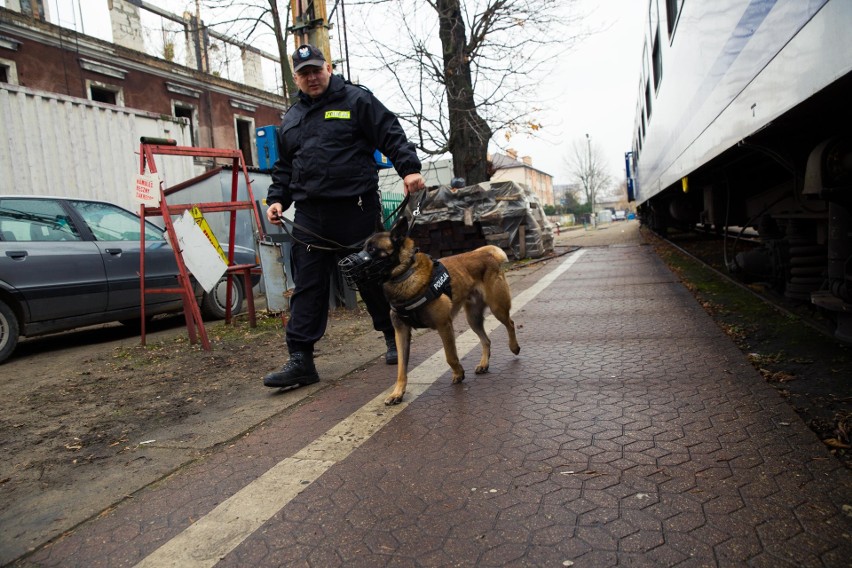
{"type": "Point", "coordinates": [440, 283]}
{"type": "Point", "coordinates": [409, 271]}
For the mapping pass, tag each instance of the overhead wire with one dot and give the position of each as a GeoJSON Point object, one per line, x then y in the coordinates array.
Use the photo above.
{"type": "Point", "coordinates": [344, 46]}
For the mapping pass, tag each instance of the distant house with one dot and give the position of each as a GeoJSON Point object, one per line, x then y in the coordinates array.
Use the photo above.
{"type": "Point", "coordinates": [507, 167]}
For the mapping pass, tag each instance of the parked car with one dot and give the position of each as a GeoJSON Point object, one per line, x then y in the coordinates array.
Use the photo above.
{"type": "Point", "coordinates": [67, 263]}
{"type": "Point", "coordinates": [620, 215]}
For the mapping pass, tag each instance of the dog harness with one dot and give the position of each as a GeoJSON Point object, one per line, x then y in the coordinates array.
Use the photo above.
{"type": "Point", "coordinates": [439, 284]}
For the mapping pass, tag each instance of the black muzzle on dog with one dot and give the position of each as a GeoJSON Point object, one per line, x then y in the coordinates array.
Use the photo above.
{"type": "Point", "coordinates": [359, 269]}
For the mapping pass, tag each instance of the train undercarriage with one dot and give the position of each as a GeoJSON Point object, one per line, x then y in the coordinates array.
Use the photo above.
{"type": "Point", "coordinates": [788, 186]}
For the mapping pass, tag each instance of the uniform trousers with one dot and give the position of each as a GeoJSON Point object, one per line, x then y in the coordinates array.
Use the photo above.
{"type": "Point", "coordinates": [346, 221]}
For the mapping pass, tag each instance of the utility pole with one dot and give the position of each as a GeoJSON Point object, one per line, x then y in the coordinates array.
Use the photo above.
{"type": "Point", "coordinates": [310, 25]}
{"type": "Point", "coordinates": [201, 40]}
{"type": "Point", "coordinates": [590, 180]}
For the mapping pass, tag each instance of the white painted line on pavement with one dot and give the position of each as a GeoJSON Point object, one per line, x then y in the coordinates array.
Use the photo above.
{"type": "Point", "coordinates": [209, 539]}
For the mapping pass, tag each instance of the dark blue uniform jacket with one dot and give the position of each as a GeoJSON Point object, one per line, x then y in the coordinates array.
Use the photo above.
{"type": "Point", "coordinates": [326, 146]}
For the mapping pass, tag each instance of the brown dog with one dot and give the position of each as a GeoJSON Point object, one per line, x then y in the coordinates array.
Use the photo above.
{"type": "Point", "coordinates": [476, 280]}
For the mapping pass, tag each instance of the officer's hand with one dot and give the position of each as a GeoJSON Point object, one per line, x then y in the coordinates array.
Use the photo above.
{"type": "Point", "coordinates": [413, 183]}
{"type": "Point", "coordinates": [274, 213]}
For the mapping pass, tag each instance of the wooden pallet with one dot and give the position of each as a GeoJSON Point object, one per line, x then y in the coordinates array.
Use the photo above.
{"type": "Point", "coordinates": [446, 238]}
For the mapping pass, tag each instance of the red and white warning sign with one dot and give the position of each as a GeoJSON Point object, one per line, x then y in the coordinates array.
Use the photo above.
{"type": "Point", "coordinates": [147, 189]}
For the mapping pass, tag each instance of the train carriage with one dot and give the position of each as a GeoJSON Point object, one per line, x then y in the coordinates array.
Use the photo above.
{"type": "Point", "coordinates": [743, 120]}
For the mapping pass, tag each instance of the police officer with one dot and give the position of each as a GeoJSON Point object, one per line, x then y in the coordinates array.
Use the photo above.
{"type": "Point", "coordinates": [326, 168]}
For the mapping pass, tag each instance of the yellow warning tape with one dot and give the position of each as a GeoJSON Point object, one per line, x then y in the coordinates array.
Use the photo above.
{"type": "Point", "coordinates": [205, 228]}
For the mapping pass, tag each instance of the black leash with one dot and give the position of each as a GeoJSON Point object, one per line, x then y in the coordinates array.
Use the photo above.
{"type": "Point", "coordinates": [360, 244]}
{"type": "Point", "coordinates": [414, 214]}
{"type": "Point", "coordinates": [337, 246]}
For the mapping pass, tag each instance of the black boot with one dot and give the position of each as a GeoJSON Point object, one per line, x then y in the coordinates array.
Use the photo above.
{"type": "Point", "coordinates": [390, 341]}
{"type": "Point", "coordinates": [299, 370]}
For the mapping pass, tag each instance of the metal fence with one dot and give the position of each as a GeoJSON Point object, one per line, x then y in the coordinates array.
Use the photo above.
{"type": "Point", "coordinates": [390, 201]}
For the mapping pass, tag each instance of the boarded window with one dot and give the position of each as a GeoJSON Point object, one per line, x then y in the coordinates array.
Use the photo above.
{"type": "Point", "coordinates": [101, 95]}
{"type": "Point", "coordinates": [244, 140]}
{"type": "Point", "coordinates": [187, 112]}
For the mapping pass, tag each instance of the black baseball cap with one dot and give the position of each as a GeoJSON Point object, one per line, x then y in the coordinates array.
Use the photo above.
{"type": "Point", "coordinates": [307, 54]}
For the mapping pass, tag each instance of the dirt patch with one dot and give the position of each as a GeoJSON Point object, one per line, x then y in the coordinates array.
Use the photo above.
{"type": "Point", "coordinates": [97, 410]}
{"type": "Point", "coordinates": [83, 427]}
{"type": "Point", "coordinates": [808, 368]}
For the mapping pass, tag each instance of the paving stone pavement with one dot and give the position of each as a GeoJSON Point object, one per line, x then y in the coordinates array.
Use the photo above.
{"type": "Point", "coordinates": [629, 431]}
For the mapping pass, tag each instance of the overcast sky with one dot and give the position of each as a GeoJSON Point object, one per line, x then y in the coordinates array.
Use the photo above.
{"type": "Point", "coordinates": [593, 91]}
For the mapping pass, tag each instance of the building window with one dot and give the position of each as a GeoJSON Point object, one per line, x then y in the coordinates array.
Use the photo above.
{"type": "Point", "coordinates": [244, 127]}
{"type": "Point", "coordinates": [8, 72]}
{"type": "Point", "coordinates": [104, 93]}
{"type": "Point", "coordinates": [33, 9]}
{"type": "Point", "coordinates": [100, 95]}
{"type": "Point", "coordinates": [189, 112]}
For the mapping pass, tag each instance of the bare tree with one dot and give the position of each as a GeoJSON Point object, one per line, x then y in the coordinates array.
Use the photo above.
{"type": "Point", "coordinates": [472, 73]}
{"type": "Point", "coordinates": [587, 166]}
{"type": "Point", "coordinates": [462, 71]}
{"type": "Point", "coordinates": [250, 20]}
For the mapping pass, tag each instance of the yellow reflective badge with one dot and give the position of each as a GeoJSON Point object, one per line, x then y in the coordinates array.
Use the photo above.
{"type": "Point", "coordinates": [337, 114]}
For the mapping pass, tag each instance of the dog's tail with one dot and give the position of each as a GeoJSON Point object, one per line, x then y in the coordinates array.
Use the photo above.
{"type": "Point", "coordinates": [495, 251]}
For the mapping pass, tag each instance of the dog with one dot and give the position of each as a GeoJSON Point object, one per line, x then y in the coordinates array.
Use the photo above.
{"type": "Point", "coordinates": [427, 293]}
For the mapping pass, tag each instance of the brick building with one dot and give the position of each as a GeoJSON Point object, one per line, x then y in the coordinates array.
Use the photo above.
{"type": "Point", "coordinates": [507, 167]}
{"type": "Point", "coordinates": [43, 57]}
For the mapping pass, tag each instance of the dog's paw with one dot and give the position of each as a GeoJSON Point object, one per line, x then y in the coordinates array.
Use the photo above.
{"type": "Point", "coordinates": [481, 370]}
{"type": "Point", "coordinates": [458, 379]}
{"type": "Point", "coordinates": [516, 349]}
{"type": "Point", "coordinates": [393, 399]}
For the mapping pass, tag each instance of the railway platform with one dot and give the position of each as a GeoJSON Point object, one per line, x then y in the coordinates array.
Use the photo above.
{"type": "Point", "coordinates": [630, 431]}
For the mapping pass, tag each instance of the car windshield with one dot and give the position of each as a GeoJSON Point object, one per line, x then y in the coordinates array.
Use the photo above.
{"type": "Point", "coordinates": [35, 220]}
{"type": "Point", "coordinates": [110, 223]}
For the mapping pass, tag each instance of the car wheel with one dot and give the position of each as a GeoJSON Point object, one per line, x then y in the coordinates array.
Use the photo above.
{"type": "Point", "coordinates": [213, 303]}
{"type": "Point", "coordinates": [8, 331]}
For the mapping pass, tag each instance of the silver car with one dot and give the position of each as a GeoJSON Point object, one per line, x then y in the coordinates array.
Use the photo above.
{"type": "Point", "coordinates": [67, 263]}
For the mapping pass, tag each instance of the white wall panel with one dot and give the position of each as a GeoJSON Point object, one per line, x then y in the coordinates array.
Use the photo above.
{"type": "Point", "coordinates": [57, 145]}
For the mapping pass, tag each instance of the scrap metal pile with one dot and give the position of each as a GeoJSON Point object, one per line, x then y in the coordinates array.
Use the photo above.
{"type": "Point", "coordinates": [506, 214]}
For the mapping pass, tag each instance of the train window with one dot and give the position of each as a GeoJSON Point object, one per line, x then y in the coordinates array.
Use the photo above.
{"type": "Point", "coordinates": [657, 61]}
{"type": "Point", "coordinates": [653, 17]}
{"type": "Point", "coordinates": [656, 51]}
{"type": "Point", "coordinates": [648, 98]}
{"type": "Point", "coordinates": [673, 8]}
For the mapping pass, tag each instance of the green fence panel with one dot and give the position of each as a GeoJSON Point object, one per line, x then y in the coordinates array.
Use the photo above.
{"type": "Point", "coordinates": [389, 203]}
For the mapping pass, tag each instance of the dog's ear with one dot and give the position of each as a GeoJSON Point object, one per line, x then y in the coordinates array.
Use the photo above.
{"type": "Point", "coordinates": [400, 229]}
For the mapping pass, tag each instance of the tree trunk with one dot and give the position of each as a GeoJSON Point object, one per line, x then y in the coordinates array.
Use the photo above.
{"type": "Point", "coordinates": [289, 83]}
{"type": "Point", "coordinates": [469, 133]}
